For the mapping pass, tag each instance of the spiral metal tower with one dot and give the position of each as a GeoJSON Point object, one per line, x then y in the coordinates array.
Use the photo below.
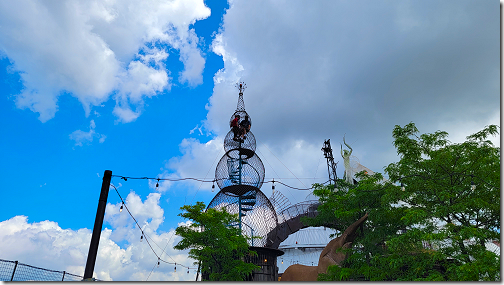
{"type": "Point", "coordinates": [240, 174]}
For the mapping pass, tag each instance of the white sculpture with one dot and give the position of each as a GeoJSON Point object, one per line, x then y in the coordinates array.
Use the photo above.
{"type": "Point", "coordinates": [348, 176]}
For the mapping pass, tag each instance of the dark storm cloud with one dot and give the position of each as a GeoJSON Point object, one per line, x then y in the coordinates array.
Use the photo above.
{"type": "Point", "coordinates": [321, 69]}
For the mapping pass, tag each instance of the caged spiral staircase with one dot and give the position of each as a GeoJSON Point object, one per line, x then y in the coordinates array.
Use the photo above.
{"type": "Point", "coordinates": [240, 175]}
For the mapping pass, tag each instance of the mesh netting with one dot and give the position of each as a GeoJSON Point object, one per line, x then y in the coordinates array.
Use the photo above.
{"type": "Point", "coordinates": [237, 167]}
{"type": "Point", "coordinates": [31, 273]}
{"type": "Point", "coordinates": [15, 271]}
{"type": "Point", "coordinates": [241, 104]}
{"type": "Point", "coordinates": [72, 277]}
{"type": "Point", "coordinates": [258, 214]}
{"type": "Point", "coordinates": [242, 115]}
{"type": "Point", "coordinates": [279, 201]}
{"type": "Point", "coordinates": [6, 269]}
{"type": "Point", "coordinates": [249, 142]}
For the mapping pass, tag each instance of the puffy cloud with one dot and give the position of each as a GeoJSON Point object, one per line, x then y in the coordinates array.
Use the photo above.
{"type": "Point", "coordinates": [193, 61]}
{"type": "Point", "coordinates": [198, 161]}
{"type": "Point", "coordinates": [92, 49]}
{"type": "Point", "coordinates": [80, 136]}
{"type": "Point", "coordinates": [45, 244]}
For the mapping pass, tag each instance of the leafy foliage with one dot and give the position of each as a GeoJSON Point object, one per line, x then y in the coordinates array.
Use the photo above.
{"type": "Point", "coordinates": [434, 230]}
{"type": "Point", "coordinates": [218, 246]}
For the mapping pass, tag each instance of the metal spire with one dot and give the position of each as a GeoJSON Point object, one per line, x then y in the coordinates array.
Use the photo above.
{"type": "Point", "coordinates": [241, 105]}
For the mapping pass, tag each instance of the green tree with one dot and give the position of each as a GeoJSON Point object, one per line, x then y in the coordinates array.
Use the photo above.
{"type": "Point", "coordinates": [344, 203]}
{"type": "Point", "coordinates": [212, 241]}
{"type": "Point", "coordinates": [433, 228]}
{"type": "Point", "coordinates": [451, 198]}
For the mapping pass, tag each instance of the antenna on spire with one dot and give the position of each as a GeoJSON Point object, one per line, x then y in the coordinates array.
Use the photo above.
{"type": "Point", "coordinates": [241, 87]}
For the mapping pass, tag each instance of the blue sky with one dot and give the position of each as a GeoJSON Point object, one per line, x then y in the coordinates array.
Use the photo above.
{"type": "Point", "coordinates": [148, 89]}
{"type": "Point", "coordinates": [48, 161]}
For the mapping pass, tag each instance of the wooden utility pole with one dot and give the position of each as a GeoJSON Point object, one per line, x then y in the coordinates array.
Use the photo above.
{"type": "Point", "coordinates": [95, 238]}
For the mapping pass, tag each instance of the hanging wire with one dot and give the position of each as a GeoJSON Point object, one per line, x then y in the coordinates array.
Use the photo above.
{"type": "Point", "coordinates": [125, 178]}
{"type": "Point", "coordinates": [264, 157]}
{"type": "Point", "coordinates": [147, 237]}
{"type": "Point", "coordinates": [282, 163]}
{"type": "Point", "coordinates": [318, 165]}
{"type": "Point", "coordinates": [202, 180]}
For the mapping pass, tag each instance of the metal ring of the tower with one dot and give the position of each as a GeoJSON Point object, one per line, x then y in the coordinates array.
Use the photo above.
{"type": "Point", "coordinates": [262, 216]}
{"type": "Point", "coordinates": [248, 143]}
{"type": "Point", "coordinates": [236, 168]}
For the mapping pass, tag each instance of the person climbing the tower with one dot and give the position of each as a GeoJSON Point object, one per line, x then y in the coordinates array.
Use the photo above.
{"type": "Point", "coordinates": [235, 127]}
{"type": "Point", "coordinates": [244, 127]}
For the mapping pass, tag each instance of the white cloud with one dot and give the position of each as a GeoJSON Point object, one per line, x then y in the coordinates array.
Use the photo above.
{"type": "Point", "coordinates": [125, 115]}
{"type": "Point", "coordinates": [193, 61]}
{"type": "Point", "coordinates": [81, 137]}
{"type": "Point", "coordinates": [199, 128]}
{"type": "Point", "coordinates": [45, 244]}
{"type": "Point", "coordinates": [88, 48]}
{"type": "Point", "coordinates": [198, 161]}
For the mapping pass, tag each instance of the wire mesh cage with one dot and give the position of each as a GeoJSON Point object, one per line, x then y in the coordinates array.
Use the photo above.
{"type": "Point", "coordinates": [243, 116]}
{"type": "Point", "coordinates": [238, 167]}
{"type": "Point", "coordinates": [249, 142]}
{"type": "Point", "coordinates": [279, 201]}
{"type": "Point", "coordinates": [258, 214]}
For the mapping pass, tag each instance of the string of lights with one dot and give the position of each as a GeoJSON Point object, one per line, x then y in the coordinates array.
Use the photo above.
{"type": "Point", "coordinates": [147, 237]}
{"type": "Point", "coordinates": [125, 178]}
{"type": "Point", "coordinates": [173, 233]}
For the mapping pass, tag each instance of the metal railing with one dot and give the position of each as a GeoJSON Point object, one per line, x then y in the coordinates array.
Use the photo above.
{"type": "Point", "coordinates": [16, 271]}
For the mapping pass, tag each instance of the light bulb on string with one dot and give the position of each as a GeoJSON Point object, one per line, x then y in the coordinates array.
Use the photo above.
{"type": "Point", "coordinates": [158, 262]}
{"type": "Point", "coordinates": [282, 261]}
{"type": "Point", "coordinates": [213, 186]}
{"type": "Point", "coordinates": [141, 238]}
{"type": "Point", "coordinates": [402, 187]}
{"type": "Point", "coordinates": [157, 184]}
{"type": "Point", "coordinates": [120, 209]}
{"type": "Point", "coordinates": [175, 269]}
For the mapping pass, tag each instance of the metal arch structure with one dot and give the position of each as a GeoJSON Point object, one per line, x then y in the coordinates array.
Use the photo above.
{"type": "Point", "coordinates": [289, 221]}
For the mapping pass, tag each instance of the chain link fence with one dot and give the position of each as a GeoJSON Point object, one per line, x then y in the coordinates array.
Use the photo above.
{"type": "Point", "coordinates": [16, 271]}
